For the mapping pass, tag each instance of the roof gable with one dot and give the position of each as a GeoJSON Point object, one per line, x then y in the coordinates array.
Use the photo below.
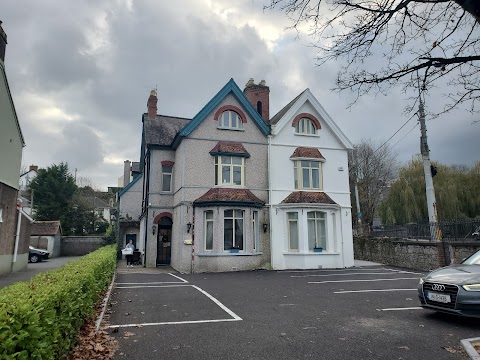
{"type": "Point", "coordinates": [45, 228]}
{"type": "Point", "coordinates": [230, 88]}
{"type": "Point", "coordinates": [283, 117]}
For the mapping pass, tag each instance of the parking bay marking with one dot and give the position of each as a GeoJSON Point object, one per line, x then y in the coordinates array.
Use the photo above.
{"type": "Point", "coordinates": [365, 291]}
{"type": "Point", "coordinates": [183, 281]}
{"type": "Point", "coordinates": [325, 270]}
{"type": "Point", "coordinates": [401, 309]}
{"type": "Point", "coordinates": [358, 280]}
{"type": "Point", "coordinates": [346, 274]}
{"type": "Point", "coordinates": [234, 316]}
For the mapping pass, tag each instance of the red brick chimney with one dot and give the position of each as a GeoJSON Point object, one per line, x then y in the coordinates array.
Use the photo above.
{"type": "Point", "coordinates": [152, 104]}
{"type": "Point", "coordinates": [3, 42]}
{"type": "Point", "coordinates": [33, 167]}
{"type": "Point", "coordinates": [259, 97]}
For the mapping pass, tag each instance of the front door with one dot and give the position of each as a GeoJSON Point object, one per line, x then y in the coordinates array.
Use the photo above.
{"type": "Point", "coordinates": [132, 237]}
{"type": "Point", "coordinates": [164, 241]}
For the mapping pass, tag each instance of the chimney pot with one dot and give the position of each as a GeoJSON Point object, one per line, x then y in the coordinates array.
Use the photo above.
{"type": "Point", "coordinates": [33, 168]}
{"type": "Point", "coordinates": [262, 83]}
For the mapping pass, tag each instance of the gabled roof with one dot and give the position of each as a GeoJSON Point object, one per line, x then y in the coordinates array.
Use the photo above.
{"type": "Point", "coordinates": [125, 189]}
{"type": "Point", "coordinates": [228, 196]}
{"type": "Point", "coordinates": [287, 107]}
{"type": "Point", "coordinates": [162, 129]}
{"type": "Point", "coordinates": [28, 172]}
{"type": "Point", "coordinates": [230, 88]}
{"type": "Point", "coordinates": [45, 228]}
{"type": "Point", "coordinates": [283, 117]}
{"type": "Point", "coordinates": [2, 70]}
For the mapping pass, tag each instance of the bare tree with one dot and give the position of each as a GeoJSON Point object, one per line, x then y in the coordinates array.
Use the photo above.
{"type": "Point", "coordinates": [438, 38]}
{"type": "Point", "coordinates": [373, 167]}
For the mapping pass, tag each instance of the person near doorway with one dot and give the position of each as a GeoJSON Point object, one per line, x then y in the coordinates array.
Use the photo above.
{"type": "Point", "coordinates": [129, 257]}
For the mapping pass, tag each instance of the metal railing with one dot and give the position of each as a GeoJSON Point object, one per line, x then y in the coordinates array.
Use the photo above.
{"type": "Point", "coordinates": [452, 231]}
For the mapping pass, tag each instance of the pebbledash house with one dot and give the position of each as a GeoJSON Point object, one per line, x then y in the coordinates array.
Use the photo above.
{"type": "Point", "coordinates": [232, 189]}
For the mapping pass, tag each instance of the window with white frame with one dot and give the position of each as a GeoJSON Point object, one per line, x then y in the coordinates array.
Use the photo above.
{"type": "Point", "coordinates": [292, 218]}
{"type": "Point", "coordinates": [317, 230]}
{"type": "Point", "coordinates": [308, 174]}
{"type": "Point", "coordinates": [208, 230]}
{"type": "Point", "coordinates": [305, 126]}
{"type": "Point", "coordinates": [1, 215]}
{"type": "Point", "coordinates": [255, 230]}
{"type": "Point", "coordinates": [229, 170]}
{"type": "Point", "coordinates": [167, 178]}
{"type": "Point", "coordinates": [230, 120]}
{"type": "Point", "coordinates": [233, 229]}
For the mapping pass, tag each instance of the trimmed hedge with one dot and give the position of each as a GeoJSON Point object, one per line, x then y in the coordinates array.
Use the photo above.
{"type": "Point", "coordinates": [40, 319]}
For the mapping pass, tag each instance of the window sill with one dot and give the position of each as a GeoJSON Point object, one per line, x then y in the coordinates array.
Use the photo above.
{"type": "Point", "coordinates": [227, 128]}
{"type": "Point", "coordinates": [311, 253]}
{"type": "Point", "coordinates": [308, 135]}
{"type": "Point", "coordinates": [229, 254]}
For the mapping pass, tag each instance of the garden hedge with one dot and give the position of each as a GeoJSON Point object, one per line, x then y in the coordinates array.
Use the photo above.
{"type": "Point", "coordinates": [40, 319]}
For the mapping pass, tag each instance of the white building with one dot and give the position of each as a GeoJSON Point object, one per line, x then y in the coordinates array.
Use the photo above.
{"type": "Point", "coordinates": [310, 215]}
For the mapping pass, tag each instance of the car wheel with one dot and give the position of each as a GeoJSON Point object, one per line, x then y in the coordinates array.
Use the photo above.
{"type": "Point", "coordinates": [34, 258]}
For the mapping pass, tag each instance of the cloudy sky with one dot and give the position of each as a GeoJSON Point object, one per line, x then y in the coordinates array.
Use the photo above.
{"type": "Point", "coordinates": [80, 73]}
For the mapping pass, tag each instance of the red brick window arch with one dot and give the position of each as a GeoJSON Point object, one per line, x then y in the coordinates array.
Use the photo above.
{"type": "Point", "coordinates": [230, 117]}
{"type": "Point", "coordinates": [305, 123]}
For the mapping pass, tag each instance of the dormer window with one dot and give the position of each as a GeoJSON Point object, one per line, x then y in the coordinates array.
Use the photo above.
{"type": "Point", "coordinates": [230, 120]}
{"type": "Point", "coordinates": [305, 126]}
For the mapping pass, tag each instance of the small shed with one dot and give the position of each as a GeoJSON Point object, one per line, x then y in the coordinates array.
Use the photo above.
{"type": "Point", "coordinates": [46, 235]}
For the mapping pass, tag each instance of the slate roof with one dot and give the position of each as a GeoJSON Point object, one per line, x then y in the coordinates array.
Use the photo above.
{"type": "Point", "coordinates": [219, 196]}
{"type": "Point", "coordinates": [287, 107]}
{"type": "Point", "coordinates": [163, 129]}
{"type": "Point", "coordinates": [307, 152]}
{"type": "Point", "coordinates": [45, 228]}
{"type": "Point", "coordinates": [308, 197]}
{"type": "Point", "coordinates": [229, 147]}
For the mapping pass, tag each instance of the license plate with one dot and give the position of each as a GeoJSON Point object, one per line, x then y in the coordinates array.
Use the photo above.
{"type": "Point", "coordinates": [438, 297]}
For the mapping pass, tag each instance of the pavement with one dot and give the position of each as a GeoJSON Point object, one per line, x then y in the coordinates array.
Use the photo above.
{"type": "Point", "coordinates": [369, 311]}
{"type": "Point", "coordinates": [34, 269]}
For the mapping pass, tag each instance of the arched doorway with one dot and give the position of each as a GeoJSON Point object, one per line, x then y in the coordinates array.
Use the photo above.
{"type": "Point", "coordinates": [164, 241]}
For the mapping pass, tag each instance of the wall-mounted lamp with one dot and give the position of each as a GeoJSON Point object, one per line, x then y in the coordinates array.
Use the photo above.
{"type": "Point", "coordinates": [265, 226]}
{"type": "Point", "coordinates": [154, 228]}
{"type": "Point", "coordinates": [189, 226]}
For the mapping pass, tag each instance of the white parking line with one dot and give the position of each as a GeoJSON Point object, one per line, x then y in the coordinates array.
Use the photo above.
{"type": "Point", "coordinates": [401, 309]}
{"type": "Point", "coordinates": [178, 277]}
{"type": "Point", "coordinates": [325, 270]}
{"type": "Point", "coordinates": [365, 291]}
{"type": "Point", "coordinates": [364, 280]}
{"type": "Point", "coordinates": [234, 316]}
{"type": "Point", "coordinates": [151, 283]}
{"type": "Point", "coordinates": [173, 323]}
{"type": "Point", "coordinates": [345, 274]}
{"type": "Point", "coordinates": [151, 286]}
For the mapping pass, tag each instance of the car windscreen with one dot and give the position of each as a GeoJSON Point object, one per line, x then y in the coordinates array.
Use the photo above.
{"type": "Point", "coordinates": [473, 260]}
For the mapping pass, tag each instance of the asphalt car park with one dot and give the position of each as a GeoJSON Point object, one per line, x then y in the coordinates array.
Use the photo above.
{"type": "Point", "coordinates": [358, 313]}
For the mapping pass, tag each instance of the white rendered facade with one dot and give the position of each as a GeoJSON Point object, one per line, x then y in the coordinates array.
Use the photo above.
{"type": "Point", "coordinates": [315, 212]}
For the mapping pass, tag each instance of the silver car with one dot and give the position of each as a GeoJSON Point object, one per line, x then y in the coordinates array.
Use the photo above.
{"type": "Point", "coordinates": [454, 289]}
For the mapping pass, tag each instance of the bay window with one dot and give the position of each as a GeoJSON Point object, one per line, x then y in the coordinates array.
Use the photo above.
{"type": "Point", "coordinates": [233, 237]}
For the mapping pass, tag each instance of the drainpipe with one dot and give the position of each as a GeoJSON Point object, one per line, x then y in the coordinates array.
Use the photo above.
{"type": "Point", "coordinates": [193, 240]}
{"type": "Point", "coordinates": [270, 215]}
{"type": "Point", "coordinates": [17, 236]}
{"type": "Point", "coordinates": [341, 234]}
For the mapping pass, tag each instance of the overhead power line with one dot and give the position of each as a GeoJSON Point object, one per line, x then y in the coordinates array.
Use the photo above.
{"type": "Point", "coordinates": [396, 132]}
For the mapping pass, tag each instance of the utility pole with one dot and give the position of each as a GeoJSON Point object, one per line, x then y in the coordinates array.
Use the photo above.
{"type": "Point", "coordinates": [357, 200]}
{"type": "Point", "coordinates": [427, 170]}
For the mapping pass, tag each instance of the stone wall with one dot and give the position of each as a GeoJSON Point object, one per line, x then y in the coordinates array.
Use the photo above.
{"type": "Point", "coordinates": [80, 245]}
{"type": "Point", "coordinates": [412, 254]}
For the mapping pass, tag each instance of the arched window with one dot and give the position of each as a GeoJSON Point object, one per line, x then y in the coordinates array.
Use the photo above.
{"type": "Point", "coordinates": [259, 107]}
{"type": "Point", "coordinates": [305, 126]}
{"type": "Point", "coordinates": [230, 119]}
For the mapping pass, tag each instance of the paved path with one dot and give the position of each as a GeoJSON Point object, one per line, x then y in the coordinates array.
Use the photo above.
{"type": "Point", "coordinates": [34, 269]}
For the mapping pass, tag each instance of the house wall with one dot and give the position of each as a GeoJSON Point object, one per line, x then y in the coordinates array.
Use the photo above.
{"type": "Point", "coordinates": [339, 252]}
{"type": "Point", "coordinates": [130, 204]}
{"type": "Point", "coordinates": [193, 176]}
{"type": "Point", "coordinates": [10, 139]}
{"type": "Point", "coordinates": [8, 229]}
